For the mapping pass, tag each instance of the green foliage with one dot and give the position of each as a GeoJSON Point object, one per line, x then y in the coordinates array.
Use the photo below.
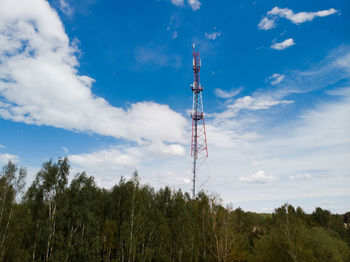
{"type": "Point", "coordinates": [289, 238]}
{"type": "Point", "coordinates": [11, 215]}
{"type": "Point", "coordinates": [78, 221]}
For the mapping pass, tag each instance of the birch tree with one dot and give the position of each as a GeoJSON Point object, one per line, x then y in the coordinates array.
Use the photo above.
{"type": "Point", "coordinates": [12, 182]}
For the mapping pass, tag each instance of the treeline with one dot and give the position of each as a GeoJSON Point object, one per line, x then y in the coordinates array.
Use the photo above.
{"type": "Point", "coordinates": [56, 221]}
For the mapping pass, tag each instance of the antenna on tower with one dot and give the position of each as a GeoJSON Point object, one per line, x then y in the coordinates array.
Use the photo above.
{"type": "Point", "coordinates": [199, 148]}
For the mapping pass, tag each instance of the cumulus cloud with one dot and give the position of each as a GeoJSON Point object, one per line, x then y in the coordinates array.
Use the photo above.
{"type": "Point", "coordinates": [122, 160]}
{"type": "Point", "coordinates": [284, 44]}
{"type": "Point", "coordinates": [194, 4]}
{"type": "Point", "coordinates": [269, 21]}
{"type": "Point", "coordinates": [2, 146]}
{"type": "Point", "coordinates": [129, 155]}
{"type": "Point", "coordinates": [40, 83]}
{"type": "Point", "coordinates": [4, 158]}
{"type": "Point", "coordinates": [212, 36]}
{"type": "Point", "coordinates": [226, 94]}
{"type": "Point", "coordinates": [301, 17]}
{"type": "Point", "coordinates": [113, 158]}
{"type": "Point", "coordinates": [259, 178]}
{"type": "Point", "coordinates": [266, 24]}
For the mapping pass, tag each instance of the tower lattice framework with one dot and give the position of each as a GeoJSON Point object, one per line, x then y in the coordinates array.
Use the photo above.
{"type": "Point", "coordinates": [199, 148]}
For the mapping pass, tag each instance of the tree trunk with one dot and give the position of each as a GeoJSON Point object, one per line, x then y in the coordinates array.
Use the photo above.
{"type": "Point", "coordinates": [52, 212]}
{"type": "Point", "coordinates": [3, 206]}
{"type": "Point", "coordinates": [132, 226]}
{"type": "Point", "coordinates": [70, 241]}
{"type": "Point", "coordinates": [109, 253]}
{"type": "Point", "coordinates": [122, 251]}
{"type": "Point", "coordinates": [4, 235]}
{"type": "Point", "coordinates": [291, 252]}
{"type": "Point", "coordinates": [36, 236]}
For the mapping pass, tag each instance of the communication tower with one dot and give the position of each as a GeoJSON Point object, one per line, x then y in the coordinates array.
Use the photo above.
{"type": "Point", "coordinates": [199, 148]}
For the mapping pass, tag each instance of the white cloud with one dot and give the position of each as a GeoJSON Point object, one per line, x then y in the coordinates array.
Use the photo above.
{"type": "Point", "coordinates": [40, 83]}
{"type": "Point", "coordinates": [257, 103]}
{"type": "Point", "coordinates": [325, 125]}
{"type": "Point", "coordinates": [251, 129]}
{"type": "Point", "coordinates": [157, 56]}
{"type": "Point", "coordinates": [65, 150]}
{"type": "Point", "coordinates": [174, 35]}
{"type": "Point", "coordinates": [178, 2]}
{"type": "Point", "coordinates": [194, 4]}
{"type": "Point", "coordinates": [276, 79]}
{"type": "Point", "coordinates": [344, 91]}
{"type": "Point", "coordinates": [112, 158]}
{"type": "Point", "coordinates": [123, 160]}
{"type": "Point", "coordinates": [284, 44]}
{"type": "Point", "coordinates": [2, 146]}
{"type": "Point", "coordinates": [187, 181]}
{"type": "Point", "coordinates": [128, 155]}
{"type": "Point", "coordinates": [4, 158]}
{"type": "Point", "coordinates": [301, 17]}
{"type": "Point", "coordinates": [266, 23]}
{"type": "Point", "coordinates": [269, 21]}
{"type": "Point", "coordinates": [173, 26]}
{"type": "Point", "coordinates": [313, 142]}
{"type": "Point", "coordinates": [65, 7]}
{"type": "Point", "coordinates": [48, 90]}
{"type": "Point", "coordinates": [302, 176]}
{"type": "Point", "coordinates": [226, 94]}
{"type": "Point", "coordinates": [250, 103]}
{"type": "Point", "coordinates": [259, 178]}
{"type": "Point", "coordinates": [212, 36]}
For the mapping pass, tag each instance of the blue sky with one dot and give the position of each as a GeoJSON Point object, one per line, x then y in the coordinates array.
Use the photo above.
{"type": "Point", "coordinates": [107, 83]}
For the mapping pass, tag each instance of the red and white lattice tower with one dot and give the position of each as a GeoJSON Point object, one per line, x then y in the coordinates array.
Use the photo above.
{"type": "Point", "coordinates": [199, 149]}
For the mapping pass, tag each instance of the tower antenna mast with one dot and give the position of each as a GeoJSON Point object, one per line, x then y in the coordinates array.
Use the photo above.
{"type": "Point", "coordinates": [199, 148]}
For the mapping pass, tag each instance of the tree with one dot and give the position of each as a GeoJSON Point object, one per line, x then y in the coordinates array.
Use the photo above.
{"type": "Point", "coordinates": [226, 239]}
{"type": "Point", "coordinates": [44, 199]}
{"type": "Point", "coordinates": [107, 238]}
{"type": "Point", "coordinates": [82, 219]}
{"type": "Point", "coordinates": [12, 182]}
{"type": "Point", "coordinates": [322, 217]}
{"type": "Point", "coordinates": [326, 246]}
{"type": "Point", "coordinates": [290, 239]}
{"type": "Point", "coordinates": [132, 222]}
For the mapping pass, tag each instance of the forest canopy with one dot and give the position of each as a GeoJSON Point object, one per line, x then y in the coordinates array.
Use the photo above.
{"type": "Point", "coordinates": [54, 220]}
